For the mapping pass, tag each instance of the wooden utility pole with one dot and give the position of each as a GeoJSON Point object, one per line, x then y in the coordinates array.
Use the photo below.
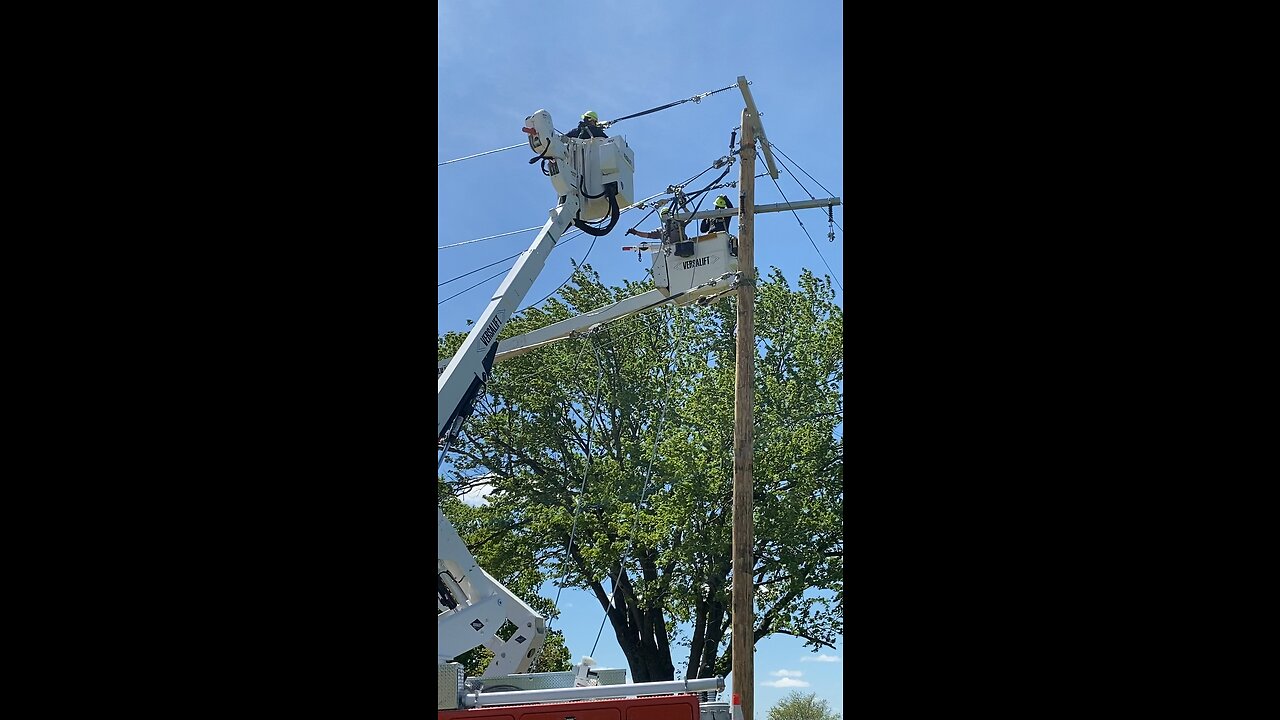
{"type": "Point", "coordinates": [743, 664]}
{"type": "Point", "coordinates": [744, 645]}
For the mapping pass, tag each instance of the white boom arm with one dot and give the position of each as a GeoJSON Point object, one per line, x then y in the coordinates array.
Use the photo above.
{"type": "Point", "coordinates": [463, 375]}
{"type": "Point", "coordinates": [521, 344]}
{"type": "Point", "coordinates": [473, 606]}
{"type": "Point", "coordinates": [592, 177]}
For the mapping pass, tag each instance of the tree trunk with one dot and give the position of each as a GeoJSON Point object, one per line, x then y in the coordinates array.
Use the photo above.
{"type": "Point", "coordinates": [641, 632]}
{"type": "Point", "coordinates": [694, 668]}
{"type": "Point", "coordinates": [715, 633]}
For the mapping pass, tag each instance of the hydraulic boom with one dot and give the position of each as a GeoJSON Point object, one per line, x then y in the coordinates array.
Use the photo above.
{"type": "Point", "coordinates": [590, 176]}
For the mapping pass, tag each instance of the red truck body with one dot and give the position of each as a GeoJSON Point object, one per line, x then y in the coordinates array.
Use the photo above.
{"type": "Point", "coordinates": [666, 707]}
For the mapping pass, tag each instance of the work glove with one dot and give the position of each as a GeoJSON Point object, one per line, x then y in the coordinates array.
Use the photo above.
{"type": "Point", "coordinates": [631, 231]}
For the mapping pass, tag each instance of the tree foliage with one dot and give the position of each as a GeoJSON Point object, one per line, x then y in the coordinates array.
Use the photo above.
{"type": "Point", "coordinates": [798, 706]}
{"type": "Point", "coordinates": [643, 410]}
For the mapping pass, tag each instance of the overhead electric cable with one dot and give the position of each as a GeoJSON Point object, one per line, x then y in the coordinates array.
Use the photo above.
{"type": "Point", "coordinates": [696, 98]}
{"type": "Point", "coordinates": [577, 510]}
{"type": "Point", "coordinates": [490, 237]}
{"type": "Point", "coordinates": [632, 206]}
{"type": "Point", "coordinates": [495, 262]}
{"type": "Point", "coordinates": [635, 525]}
{"type": "Point", "coordinates": [566, 280]}
{"type": "Point", "coordinates": [806, 234]}
{"type": "Point", "coordinates": [616, 342]}
{"type": "Point", "coordinates": [504, 272]}
{"type": "Point", "coordinates": [486, 152]}
{"type": "Point", "coordinates": [563, 239]}
{"type": "Point", "coordinates": [793, 177]}
{"type": "Point", "coordinates": [793, 162]}
{"type": "Point", "coordinates": [774, 146]}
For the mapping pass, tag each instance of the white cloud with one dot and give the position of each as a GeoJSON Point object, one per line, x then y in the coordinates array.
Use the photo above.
{"type": "Point", "coordinates": [479, 493]}
{"type": "Point", "coordinates": [821, 658]}
{"type": "Point", "coordinates": [476, 496]}
{"type": "Point", "coordinates": [786, 673]}
{"type": "Point", "coordinates": [787, 682]}
{"type": "Point", "coordinates": [480, 488]}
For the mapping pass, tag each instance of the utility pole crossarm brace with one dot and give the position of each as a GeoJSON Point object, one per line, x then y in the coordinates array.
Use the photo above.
{"type": "Point", "coordinates": [757, 126]}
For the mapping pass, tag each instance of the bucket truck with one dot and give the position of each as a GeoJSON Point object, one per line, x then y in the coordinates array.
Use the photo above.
{"type": "Point", "coordinates": [592, 177]}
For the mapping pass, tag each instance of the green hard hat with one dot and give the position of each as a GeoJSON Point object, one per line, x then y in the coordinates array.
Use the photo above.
{"type": "Point", "coordinates": [591, 114]}
{"type": "Point", "coordinates": [722, 202]}
{"type": "Point", "coordinates": [664, 210]}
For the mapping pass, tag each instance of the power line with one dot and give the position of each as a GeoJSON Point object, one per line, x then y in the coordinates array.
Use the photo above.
{"type": "Point", "coordinates": [584, 257]}
{"type": "Point", "coordinates": [639, 506]}
{"type": "Point", "coordinates": [793, 177]}
{"type": "Point", "coordinates": [775, 147]}
{"type": "Point", "coordinates": [486, 152]}
{"type": "Point", "coordinates": [566, 280]}
{"type": "Point", "coordinates": [696, 99]}
{"type": "Point", "coordinates": [577, 505]}
{"type": "Point", "coordinates": [829, 193]}
{"type": "Point", "coordinates": [504, 272]}
{"type": "Point", "coordinates": [649, 326]}
{"type": "Point", "coordinates": [495, 262]}
{"type": "Point", "coordinates": [563, 239]}
{"type": "Point", "coordinates": [538, 227]}
{"type": "Point", "coordinates": [806, 190]}
{"type": "Point", "coordinates": [490, 237]}
{"type": "Point", "coordinates": [806, 234]}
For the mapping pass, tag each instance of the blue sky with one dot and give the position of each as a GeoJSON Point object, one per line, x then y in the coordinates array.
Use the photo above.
{"type": "Point", "coordinates": [499, 62]}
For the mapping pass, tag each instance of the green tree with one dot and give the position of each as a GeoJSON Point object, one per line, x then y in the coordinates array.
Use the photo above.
{"type": "Point", "coordinates": [651, 396]}
{"type": "Point", "coordinates": [797, 706]}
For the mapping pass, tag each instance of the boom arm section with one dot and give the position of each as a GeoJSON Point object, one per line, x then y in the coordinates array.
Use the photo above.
{"type": "Point", "coordinates": [461, 379]}
{"type": "Point", "coordinates": [473, 606]}
{"type": "Point", "coordinates": [521, 344]}
{"type": "Point", "coordinates": [591, 176]}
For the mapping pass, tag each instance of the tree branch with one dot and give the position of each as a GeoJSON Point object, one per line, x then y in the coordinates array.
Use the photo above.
{"type": "Point", "coordinates": [798, 634]}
